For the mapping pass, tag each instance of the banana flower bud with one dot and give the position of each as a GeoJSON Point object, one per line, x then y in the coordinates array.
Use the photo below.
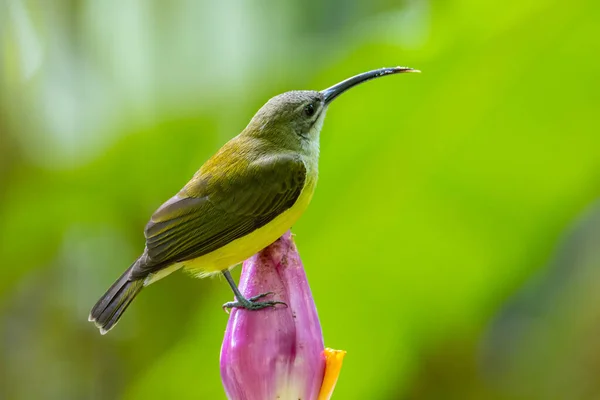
{"type": "Point", "coordinates": [278, 352]}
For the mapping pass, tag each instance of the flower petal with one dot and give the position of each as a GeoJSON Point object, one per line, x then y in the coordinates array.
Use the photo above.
{"type": "Point", "coordinates": [333, 366]}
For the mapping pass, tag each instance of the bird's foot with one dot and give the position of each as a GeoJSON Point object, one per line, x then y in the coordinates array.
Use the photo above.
{"type": "Point", "coordinates": [251, 303]}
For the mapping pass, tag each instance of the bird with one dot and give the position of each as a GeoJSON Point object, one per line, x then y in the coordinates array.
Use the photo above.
{"type": "Point", "coordinates": [242, 199]}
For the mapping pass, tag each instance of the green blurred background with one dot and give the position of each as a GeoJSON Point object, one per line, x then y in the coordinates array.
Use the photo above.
{"type": "Point", "coordinates": [452, 246]}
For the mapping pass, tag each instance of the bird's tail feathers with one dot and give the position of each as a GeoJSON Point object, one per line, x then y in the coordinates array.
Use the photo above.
{"type": "Point", "coordinates": [111, 306]}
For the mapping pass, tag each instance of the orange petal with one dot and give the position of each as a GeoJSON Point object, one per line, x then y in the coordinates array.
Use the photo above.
{"type": "Point", "coordinates": [333, 365]}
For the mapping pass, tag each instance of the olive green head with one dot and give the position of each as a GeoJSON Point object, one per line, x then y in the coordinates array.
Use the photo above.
{"type": "Point", "coordinates": [293, 120]}
{"type": "Point", "coordinates": [290, 119]}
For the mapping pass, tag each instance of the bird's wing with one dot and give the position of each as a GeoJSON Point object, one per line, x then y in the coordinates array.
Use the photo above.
{"type": "Point", "coordinates": [218, 207]}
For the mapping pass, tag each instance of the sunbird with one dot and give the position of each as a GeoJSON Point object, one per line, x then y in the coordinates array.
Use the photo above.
{"type": "Point", "coordinates": [241, 200]}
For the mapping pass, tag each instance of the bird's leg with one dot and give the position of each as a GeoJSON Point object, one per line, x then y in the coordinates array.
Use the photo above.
{"type": "Point", "coordinates": [250, 303]}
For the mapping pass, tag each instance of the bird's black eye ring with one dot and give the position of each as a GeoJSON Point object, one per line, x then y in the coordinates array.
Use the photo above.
{"type": "Point", "coordinates": [309, 110]}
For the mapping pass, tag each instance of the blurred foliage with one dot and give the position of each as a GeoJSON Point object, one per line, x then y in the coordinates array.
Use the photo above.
{"type": "Point", "coordinates": [441, 195]}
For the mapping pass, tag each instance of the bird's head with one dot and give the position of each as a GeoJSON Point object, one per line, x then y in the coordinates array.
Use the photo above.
{"type": "Point", "coordinates": [293, 120]}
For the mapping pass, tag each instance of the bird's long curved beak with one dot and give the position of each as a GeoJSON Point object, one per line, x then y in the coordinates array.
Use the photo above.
{"type": "Point", "coordinates": [331, 93]}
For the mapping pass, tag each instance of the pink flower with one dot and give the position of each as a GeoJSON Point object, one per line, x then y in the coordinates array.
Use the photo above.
{"type": "Point", "coordinates": [278, 352]}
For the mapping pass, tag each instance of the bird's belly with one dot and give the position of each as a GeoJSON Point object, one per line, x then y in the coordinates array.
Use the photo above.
{"type": "Point", "coordinates": [240, 249]}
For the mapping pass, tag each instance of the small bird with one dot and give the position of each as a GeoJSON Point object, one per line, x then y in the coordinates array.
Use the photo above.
{"type": "Point", "coordinates": [240, 201]}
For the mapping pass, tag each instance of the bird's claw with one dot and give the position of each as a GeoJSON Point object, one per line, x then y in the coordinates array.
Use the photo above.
{"type": "Point", "coordinates": [252, 304]}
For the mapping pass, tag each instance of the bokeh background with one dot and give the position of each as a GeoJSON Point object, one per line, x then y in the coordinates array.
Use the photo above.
{"type": "Point", "coordinates": [452, 246]}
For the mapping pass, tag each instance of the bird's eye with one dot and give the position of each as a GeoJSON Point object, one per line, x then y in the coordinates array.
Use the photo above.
{"type": "Point", "coordinates": [309, 110]}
